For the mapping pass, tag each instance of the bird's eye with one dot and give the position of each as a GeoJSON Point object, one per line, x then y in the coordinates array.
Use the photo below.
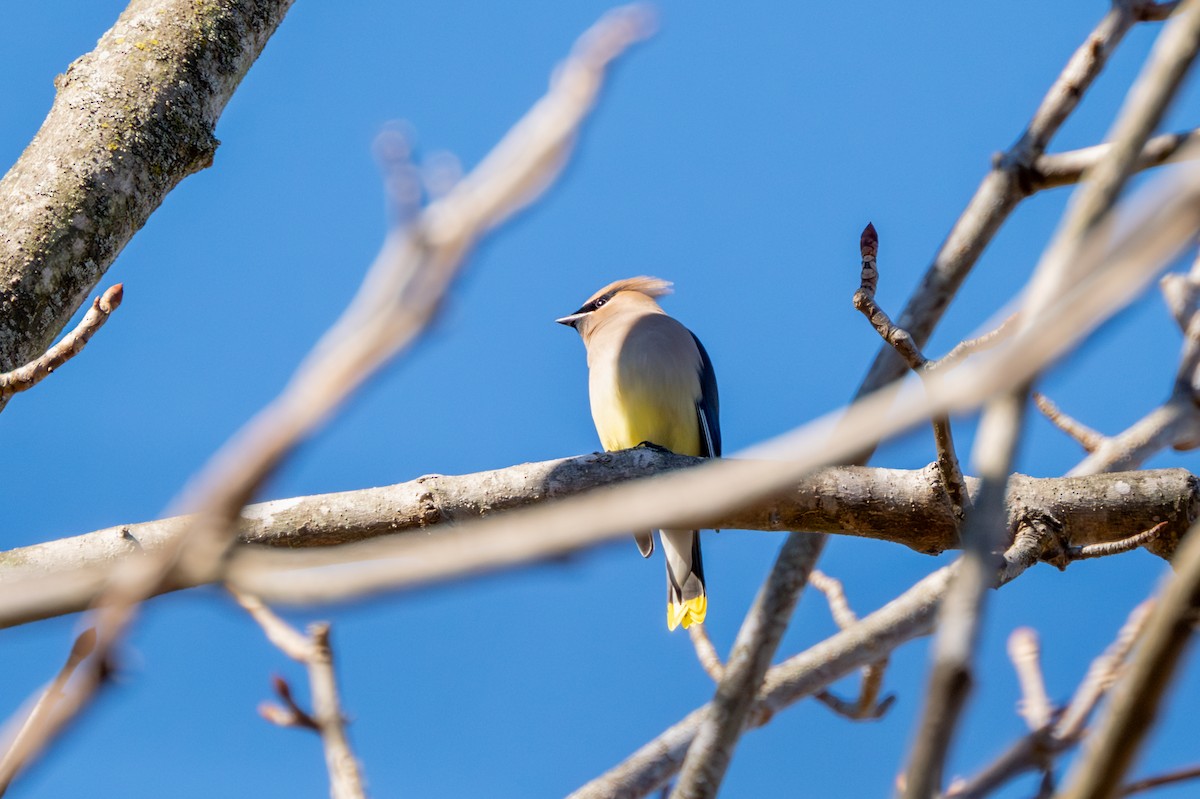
{"type": "Point", "coordinates": [600, 301]}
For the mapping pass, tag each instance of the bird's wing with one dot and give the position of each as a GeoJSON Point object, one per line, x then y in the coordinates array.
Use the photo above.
{"type": "Point", "coordinates": [708, 405]}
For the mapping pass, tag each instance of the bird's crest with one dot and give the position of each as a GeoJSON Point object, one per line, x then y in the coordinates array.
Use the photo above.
{"type": "Point", "coordinates": [650, 286]}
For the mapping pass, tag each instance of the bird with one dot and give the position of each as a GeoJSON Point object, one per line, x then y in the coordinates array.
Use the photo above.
{"type": "Point", "coordinates": [650, 381]}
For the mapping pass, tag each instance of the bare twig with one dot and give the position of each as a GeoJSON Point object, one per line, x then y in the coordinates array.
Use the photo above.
{"type": "Point", "coordinates": [290, 714]}
{"type": "Point", "coordinates": [1159, 780]}
{"type": "Point", "coordinates": [709, 755]}
{"type": "Point", "coordinates": [1117, 547]}
{"type": "Point", "coordinates": [1085, 436]}
{"type": "Point", "coordinates": [1025, 651]}
{"type": "Point", "coordinates": [312, 650]}
{"type": "Point", "coordinates": [706, 653]}
{"type": "Point", "coordinates": [868, 705]}
{"type": "Point", "coordinates": [1063, 169]}
{"type": "Point", "coordinates": [26, 377]}
{"type": "Point", "coordinates": [864, 301]}
{"type": "Point", "coordinates": [972, 345]}
{"type": "Point", "coordinates": [1037, 750]}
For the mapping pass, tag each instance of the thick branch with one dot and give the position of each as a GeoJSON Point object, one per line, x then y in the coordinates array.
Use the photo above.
{"type": "Point", "coordinates": [131, 119]}
{"type": "Point", "coordinates": [906, 507]}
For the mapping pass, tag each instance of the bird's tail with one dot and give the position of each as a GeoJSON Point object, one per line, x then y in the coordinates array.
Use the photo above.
{"type": "Point", "coordinates": [687, 600]}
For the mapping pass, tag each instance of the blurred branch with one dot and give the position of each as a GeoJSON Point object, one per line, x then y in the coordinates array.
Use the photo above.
{"type": "Point", "coordinates": [1063, 728]}
{"type": "Point", "coordinates": [17, 752]}
{"type": "Point", "coordinates": [706, 653]}
{"type": "Point", "coordinates": [398, 297]}
{"type": "Point", "coordinates": [908, 616]}
{"type": "Point", "coordinates": [32, 373]}
{"type": "Point", "coordinates": [130, 120]}
{"type": "Point", "coordinates": [1136, 697]}
{"type": "Point", "coordinates": [1159, 780]}
{"type": "Point", "coordinates": [1025, 651]}
{"type": "Point", "coordinates": [314, 651]}
{"type": "Point", "coordinates": [1175, 423]}
{"type": "Point", "coordinates": [959, 619]}
{"type": "Point", "coordinates": [709, 755]}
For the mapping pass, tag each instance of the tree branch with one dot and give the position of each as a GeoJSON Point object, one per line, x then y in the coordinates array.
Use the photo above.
{"type": "Point", "coordinates": [710, 753]}
{"type": "Point", "coordinates": [132, 119]}
{"type": "Point", "coordinates": [32, 373]}
{"type": "Point", "coordinates": [905, 507]}
{"type": "Point", "coordinates": [313, 650]}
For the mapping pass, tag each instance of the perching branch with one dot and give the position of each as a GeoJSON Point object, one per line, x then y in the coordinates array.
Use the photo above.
{"type": "Point", "coordinates": [32, 373]}
{"type": "Point", "coordinates": [906, 507]}
{"type": "Point", "coordinates": [314, 651]}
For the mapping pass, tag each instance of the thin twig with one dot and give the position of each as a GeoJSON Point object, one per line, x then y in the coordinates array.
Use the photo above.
{"type": "Point", "coordinates": [706, 653]}
{"type": "Point", "coordinates": [864, 302]}
{"type": "Point", "coordinates": [26, 377]}
{"type": "Point", "coordinates": [971, 346]}
{"type": "Point", "coordinates": [867, 706]}
{"type": "Point", "coordinates": [1025, 651]}
{"type": "Point", "coordinates": [1110, 547]}
{"type": "Point", "coordinates": [1066, 168]}
{"type": "Point", "coordinates": [312, 650]}
{"type": "Point", "coordinates": [1085, 436]}
{"type": "Point", "coordinates": [1037, 750]}
{"type": "Point", "coordinates": [1159, 780]}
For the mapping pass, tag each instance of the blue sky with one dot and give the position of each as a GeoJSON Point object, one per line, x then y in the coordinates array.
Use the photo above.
{"type": "Point", "coordinates": [739, 153]}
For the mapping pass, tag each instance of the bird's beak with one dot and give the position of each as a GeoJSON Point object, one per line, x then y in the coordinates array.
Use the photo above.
{"type": "Point", "coordinates": [572, 320]}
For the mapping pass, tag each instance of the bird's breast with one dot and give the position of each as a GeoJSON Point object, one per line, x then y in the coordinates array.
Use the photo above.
{"type": "Point", "coordinates": [646, 389]}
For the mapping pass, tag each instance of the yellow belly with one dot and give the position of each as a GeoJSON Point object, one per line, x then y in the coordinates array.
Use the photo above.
{"type": "Point", "coordinates": [626, 416]}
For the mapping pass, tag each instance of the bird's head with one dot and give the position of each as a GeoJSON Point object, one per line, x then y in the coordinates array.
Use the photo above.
{"type": "Point", "coordinates": [630, 294]}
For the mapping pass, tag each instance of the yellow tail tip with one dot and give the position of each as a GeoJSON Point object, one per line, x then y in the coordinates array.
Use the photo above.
{"type": "Point", "coordinates": [687, 613]}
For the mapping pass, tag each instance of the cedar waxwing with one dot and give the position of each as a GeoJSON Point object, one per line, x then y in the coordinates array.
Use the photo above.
{"type": "Point", "coordinates": [650, 380]}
